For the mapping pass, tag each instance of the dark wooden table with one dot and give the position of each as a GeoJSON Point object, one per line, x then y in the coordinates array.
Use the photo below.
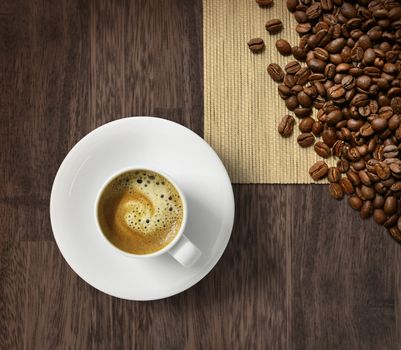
{"type": "Point", "coordinates": [301, 271]}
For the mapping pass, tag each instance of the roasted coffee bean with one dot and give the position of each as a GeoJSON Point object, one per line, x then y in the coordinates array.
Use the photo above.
{"type": "Point", "coordinates": [390, 151]}
{"type": "Point", "coordinates": [367, 192]}
{"type": "Point", "coordinates": [359, 165]}
{"type": "Point", "coordinates": [336, 191]}
{"type": "Point", "coordinates": [389, 182]}
{"type": "Point", "coordinates": [365, 112]}
{"type": "Point", "coordinates": [395, 233]}
{"type": "Point", "coordinates": [292, 5]}
{"type": "Point", "coordinates": [345, 134]}
{"type": "Point", "coordinates": [316, 65]}
{"type": "Point", "coordinates": [394, 91]}
{"type": "Point", "coordinates": [274, 26]}
{"type": "Point", "coordinates": [343, 68]}
{"type": "Point", "coordinates": [304, 100]}
{"type": "Point", "coordinates": [370, 165]}
{"type": "Point", "coordinates": [317, 128]}
{"type": "Point", "coordinates": [364, 177]}
{"type": "Point", "coordinates": [292, 102]}
{"type": "Point", "coordinates": [363, 82]}
{"type": "Point", "coordinates": [283, 47]}
{"type": "Point", "coordinates": [306, 139]}
{"type": "Point", "coordinates": [327, 5]}
{"type": "Point", "coordinates": [334, 117]}
{"type": "Point", "coordinates": [300, 16]}
{"type": "Point", "coordinates": [379, 124]}
{"type": "Point", "coordinates": [386, 112]}
{"type": "Point", "coordinates": [275, 72]}
{"type": "Point", "coordinates": [366, 209]}
{"type": "Point", "coordinates": [292, 67]}
{"type": "Point", "coordinates": [316, 77]}
{"type": "Point", "coordinates": [286, 126]}
{"type": "Point", "coordinates": [366, 130]}
{"type": "Point", "coordinates": [265, 3]}
{"type": "Point", "coordinates": [322, 149]}
{"type": "Point", "coordinates": [334, 174]}
{"type": "Point", "coordinates": [390, 205]}
{"type": "Point", "coordinates": [379, 216]}
{"type": "Point", "coordinates": [303, 28]}
{"type": "Point", "coordinates": [346, 185]}
{"type": "Point", "coordinates": [298, 53]}
{"type": "Point", "coordinates": [357, 54]}
{"type": "Point", "coordinates": [348, 82]}
{"type": "Point", "coordinates": [391, 221]}
{"type": "Point", "coordinates": [396, 187]}
{"type": "Point", "coordinates": [394, 122]}
{"type": "Point", "coordinates": [256, 45]}
{"type": "Point", "coordinates": [382, 170]}
{"type": "Point", "coordinates": [296, 89]}
{"type": "Point", "coordinates": [289, 80]}
{"type": "Point", "coordinates": [378, 202]}
{"type": "Point", "coordinates": [354, 124]}
{"type": "Point", "coordinates": [348, 10]}
{"type": "Point", "coordinates": [336, 92]}
{"type": "Point", "coordinates": [284, 91]}
{"type": "Point", "coordinates": [321, 54]}
{"type": "Point", "coordinates": [318, 170]}
{"type": "Point", "coordinates": [380, 188]}
{"type": "Point", "coordinates": [360, 100]}
{"type": "Point", "coordinates": [355, 202]}
{"type": "Point", "coordinates": [303, 112]}
{"type": "Point", "coordinates": [302, 76]}
{"type": "Point", "coordinates": [390, 68]}
{"type": "Point", "coordinates": [396, 104]}
{"type": "Point", "coordinates": [395, 168]}
{"type": "Point", "coordinates": [394, 13]}
{"type": "Point", "coordinates": [353, 177]}
{"type": "Point", "coordinates": [310, 91]}
{"type": "Point", "coordinates": [343, 165]}
{"type": "Point", "coordinates": [314, 11]}
{"type": "Point", "coordinates": [339, 148]}
{"type": "Point", "coordinates": [305, 125]}
{"type": "Point", "coordinates": [329, 136]}
{"type": "Point", "coordinates": [336, 45]}
{"type": "Point", "coordinates": [353, 154]}
{"type": "Point", "coordinates": [378, 153]}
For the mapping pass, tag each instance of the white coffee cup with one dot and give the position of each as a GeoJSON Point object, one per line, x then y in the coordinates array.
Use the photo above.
{"type": "Point", "coordinates": [180, 248]}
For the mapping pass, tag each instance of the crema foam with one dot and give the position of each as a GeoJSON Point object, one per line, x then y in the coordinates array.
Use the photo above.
{"type": "Point", "coordinates": [140, 212]}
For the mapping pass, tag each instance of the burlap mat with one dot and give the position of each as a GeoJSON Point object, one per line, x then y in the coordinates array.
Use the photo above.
{"type": "Point", "coordinates": [242, 106]}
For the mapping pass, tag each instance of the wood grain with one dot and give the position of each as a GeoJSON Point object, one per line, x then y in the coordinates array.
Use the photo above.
{"type": "Point", "coordinates": [301, 271]}
{"type": "Point", "coordinates": [343, 274]}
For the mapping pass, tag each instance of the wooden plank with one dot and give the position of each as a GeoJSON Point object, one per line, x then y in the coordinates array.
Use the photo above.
{"type": "Point", "coordinates": [46, 101]}
{"type": "Point", "coordinates": [163, 60]}
{"type": "Point", "coordinates": [397, 289]}
{"type": "Point", "coordinates": [244, 301]}
{"type": "Point", "coordinates": [107, 61]}
{"type": "Point", "coordinates": [13, 302]}
{"type": "Point", "coordinates": [61, 309]}
{"type": "Point", "coordinates": [343, 272]}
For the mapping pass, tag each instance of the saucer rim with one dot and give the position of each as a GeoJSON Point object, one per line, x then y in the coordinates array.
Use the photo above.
{"type": "Point", "coordinates": [230, 208]}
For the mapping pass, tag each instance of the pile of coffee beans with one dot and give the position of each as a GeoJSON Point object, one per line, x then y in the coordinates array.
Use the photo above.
{"type": "Point", "coordinates": [352, 76]}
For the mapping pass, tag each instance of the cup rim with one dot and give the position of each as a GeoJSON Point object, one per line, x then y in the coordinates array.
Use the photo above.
{"type": "Point", "coordinates": [184, 217]}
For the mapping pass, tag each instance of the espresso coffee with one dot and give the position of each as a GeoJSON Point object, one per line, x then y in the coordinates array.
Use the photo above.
{"type": "Point", "coordinates": [140, 212]}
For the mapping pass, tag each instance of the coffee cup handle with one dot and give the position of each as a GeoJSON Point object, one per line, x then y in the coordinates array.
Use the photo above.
{"type": "Point", "coordinates": [185, 252]}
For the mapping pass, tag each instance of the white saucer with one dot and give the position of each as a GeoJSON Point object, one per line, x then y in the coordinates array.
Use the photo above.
{"type": "Point", "coordinates": [156, 143]}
